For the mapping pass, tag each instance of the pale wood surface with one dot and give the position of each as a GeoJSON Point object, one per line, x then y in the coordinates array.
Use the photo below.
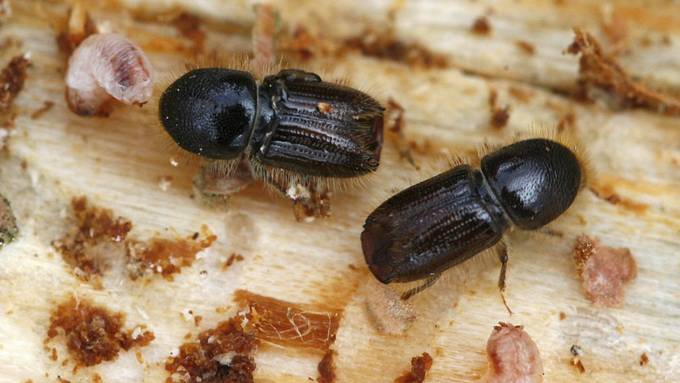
{"type": "Point", "coordinates": [117, 163]}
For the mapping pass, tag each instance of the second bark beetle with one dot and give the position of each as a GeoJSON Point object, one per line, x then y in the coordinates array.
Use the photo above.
{"type": "Point", "coordinates": [294, 131]}
{"type": "Point", "coordinates": [441, 222]}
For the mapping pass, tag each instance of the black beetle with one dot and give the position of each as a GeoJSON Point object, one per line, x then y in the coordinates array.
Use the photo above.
{"type": "Point", "coordinates": [440, 222]}
{"type": "Point", "coordinates": [293, 129]}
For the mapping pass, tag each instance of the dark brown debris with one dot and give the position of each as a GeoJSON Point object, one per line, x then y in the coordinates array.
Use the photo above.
{"type": "Point", "coordinates": [567, 122]}
{"type": "Point", "coordinates": [644, 359]}
{"type": "Point", "coordinates": [8, 224]}
{"type": "Point", "coordinates": [575, 351]}
{"type": "Point", "coordinates": [97, 237]}
{"type": "Point", "coordinates": [326, 368]}
{"type": "Point", "coordinates": [385, 45]}
{"type": "Point", "coordinates": [46, 106]}
{"type": "Point", "coordinates": [372, 42]}
{"type": "Point", "coordinates": [481, 26]}
{"type": "Point", "coordinates": [304, 45]}
{"type": "Point", "coordinates": [93, 334]}
{"type": "Point", "coordinates": [12, 80]}
{"type": "Point", "coordinates": [520, 94]}
{"type": "Point", "coordinates": [289, 324]}
{"type": "Point", "coordinates": [318, 204]}
{"type": "Point", "coordinates": [234, 257]}
{"type": "Point", "coordinates": [526, 47]}
{"type": "Point", "coordinates": [609, 194]}
{"type": "Point", "coordinates": [94, 227]}
{"type": "Point", "coordinates": [219, 355]}
{"type": "Point", "coordinates": [604, 271]}
{"type": "Point", "coordinates": [420, 365]}
{"type": "Point", "coordinates": [599, 70]}
{"type": "Point", "coordinates": [395, 120]}
{"type": "Point", "coordinates": [499, 116]}
{"type": "Point", "coordinates": [394, 124]}
{"type": "Point", "coordinates": [165, 256]}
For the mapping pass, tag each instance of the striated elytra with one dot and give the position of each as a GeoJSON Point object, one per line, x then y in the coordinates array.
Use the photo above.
{"type": "Point", "coordinates": [440, 222]}
{"type": "Point", "coordinates": [292, 120]}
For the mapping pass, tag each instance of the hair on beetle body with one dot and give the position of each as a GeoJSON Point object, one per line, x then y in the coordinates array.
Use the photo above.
{"type": "Point", "coordinates": [439, 223]}
{"type": "Point", "coordinates": [299, 134]}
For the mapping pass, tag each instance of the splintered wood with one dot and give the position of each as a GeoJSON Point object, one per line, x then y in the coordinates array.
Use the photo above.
{"type": "Point", "coordinates": [598, 69]}
{"type": "Point", "coordinates": [289, 324]}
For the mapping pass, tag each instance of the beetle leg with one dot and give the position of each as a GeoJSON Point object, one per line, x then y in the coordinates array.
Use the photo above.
{"type": "Point", "coordinates": [503, 257]}
{"type": "Point", "coordinates": [428, 282]}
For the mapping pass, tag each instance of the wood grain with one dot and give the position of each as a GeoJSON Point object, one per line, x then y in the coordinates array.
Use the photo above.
{"type": "Point", "coordinates": [117, 162]}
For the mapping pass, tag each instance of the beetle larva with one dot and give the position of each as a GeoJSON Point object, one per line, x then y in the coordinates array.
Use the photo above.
{"type": "Point", "coordinates": [107, 66]}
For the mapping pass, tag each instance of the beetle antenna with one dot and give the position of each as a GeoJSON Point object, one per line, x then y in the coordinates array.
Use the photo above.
{"type": "Point", "coordinates": [503, 257]}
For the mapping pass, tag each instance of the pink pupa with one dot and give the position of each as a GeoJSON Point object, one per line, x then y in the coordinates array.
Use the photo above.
{"type": "Point", "coordinates": [107, 66]}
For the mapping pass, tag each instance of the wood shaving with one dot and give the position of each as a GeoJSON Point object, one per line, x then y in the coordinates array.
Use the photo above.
{"type": "Point", "coordinates": [289, 324]}
{"type": "Point", "coordinates": [597, 69]}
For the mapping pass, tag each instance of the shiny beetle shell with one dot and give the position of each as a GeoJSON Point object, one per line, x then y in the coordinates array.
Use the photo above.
{"type": "Point", "coordinates": [319, 128]}
{"type": "Point", "coordinates": [438, 223]}
{"type": "Point", "coordinates": [292, 121]}
{"type": "Point", "coordinates": [211, 112]}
